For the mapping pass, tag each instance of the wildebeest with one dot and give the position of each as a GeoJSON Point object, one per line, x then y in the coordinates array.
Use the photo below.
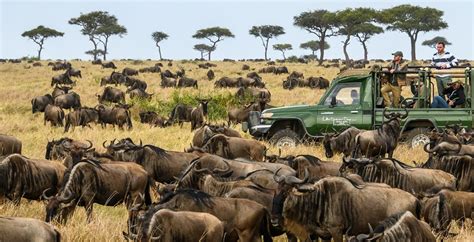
{"type": "Point", "coordinates": [129, 71]}
{"type": "Point", "coordinates": [239, 115]}
{"type": "Point", "coordinates": [60, 90]}
{"type": "Point", "coordinates": [335, 206]}
{"type": "Point", "coordinates": [440, 206]}
{"type": "Point", "coordinates": [117, 115]}
{"type": "Point", "coordinates": [448, 148]}
{"type": "Point", "coordinates": [198, 114]}
{"type": "Point", "coordinates": [399, 175]}
{"type": "Point", "coordinates": [38, 104]}
{"type": "Point", "coordinates": [140, 94]}
{"type": "Point", "coordinates": [152, 118]}
{"type": "Point", "coordinates": [343, 142]}
{"type": "Point", "coordinates": [29, 178]}
{"type": "Point", "coordinates": [96, 62]}
{"type": "Point", "coordinates": [187, 82]}
{"type": "Point", "coordinates": [27, 229]}
{"type": "Point", "coordinates": [203, 134]}
{"type": "Point", "coordinates": [169, 74]}
{"type": "Point", "coordinates": [168, 225]}
{"type": "Point", "coordinates": [109, 65]}
{"type": "Point", "coordinates": [404, 227]}
{"type": "Point", "coordinates": [74, 72]}
{"type": "Point", "coordinates": [259, 94]}
{"type": "Point", "coordinates": [54, 114]}
{"type": "Point", "coordinates": [9, 145]}
{"type": "Point", "coordinates": [281, 70]}
{"type": "Point", "coordinates": [80, 117]}
{"type": "Point", "coordinates": [210, 75]}
{"type": "Point", "coordinates": [384, 140]}
{"type": "Point", "coordinates": [315, 167]}
{"type": "Point", "coordinates": [161, 165]}
{"type": "Point", "coordinates": [60, 65]}
{"type": "Point", "coordinates": [134, 83]}
{"type": "Point", "coordinates": [226, 82]}
{"type": "Point", "coordinates": [167, 81]}
{"type": "Point", "coordinates": [68, 100]}
{"type": "Point", "coordinates": [234, 147]}
{"type": "Point", "coordinates": [109, 184]}
{"type": "Point", "coordinates": [181, 113]}
{"type": "Point", "coordinates": [268, 69]}
{"type": "Point", "coordinates": [111, 94]}
{"type": "Point", "coordinates": [64, 78]}
{"type": "Point", "coordinates": [462, 167]}
{"type": "Point", "coordinates": [247, 219]}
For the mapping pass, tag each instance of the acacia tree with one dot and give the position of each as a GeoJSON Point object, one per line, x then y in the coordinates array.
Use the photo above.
{"type": "Point", "coordinates": [93, 53]}
{"type": "Point", "coordinates": [412, 20]}
{"type": "Point", "coordinates": [321, 23]}
{"type": "Point", "coordinates": [99, 26]}
{"type": "Point", "coordinates": [214, 35]}
{"type": "Point", "coordinates": [432, 42]}
{"type": "Point", "coordinates": [203, 48]}
{"type": "Point", "coordinates": [40, 34]}
{"type": "Point", "coordinates": [158, 37]}
{"type": "Point", "coordinates": [365, 31]}
{"type": "Point", "coordinates": [282, 48]}
{"type": "Point", "coordinates": [265, 33]}
{"type": "Point", "coordinates": [313, 45]}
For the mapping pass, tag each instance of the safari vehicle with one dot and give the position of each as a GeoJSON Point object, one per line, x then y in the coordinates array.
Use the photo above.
{"type": "Point", "coordinates": [354, 99]}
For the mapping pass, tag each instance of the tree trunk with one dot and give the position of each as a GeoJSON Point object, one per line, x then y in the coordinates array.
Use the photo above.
{"type": "Point", "coordinates": [39, 52]}
{"type": "Point", "coordinates": [366, 52]}
{"type": "Point", "coordinates": [202, 55]}
{"type": "Point", "coordinates": [284, 57]}
{"type": "Point", "coordinates": [346, 55]}
{"type": "Point", "coordinates": [413, 48]}
{"type": "Point", "coordinates": [105, 47]}
{"type": "Point", "coordinates": [159, 51]}
{"type": "Point", "coordinates": [266, 49]}
{"type": "Point", "coordinates": [95, 46]}
{"type": "Point", "coordinates": [321, 49]}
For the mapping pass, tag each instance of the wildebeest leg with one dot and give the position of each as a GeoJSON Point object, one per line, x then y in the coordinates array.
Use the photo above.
{"type": "Point", "coordinates": [336, 234]}
{"type": "Point", "coordinates": [66, 213]}
{"type": "Point", "coordinates": [89, 208]}
{"type": "Point", "coordinates": [290, 237]}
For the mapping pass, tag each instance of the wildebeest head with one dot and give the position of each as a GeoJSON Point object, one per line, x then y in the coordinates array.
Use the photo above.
{"type": "Point", "coordinates": [55, 149]}
{"type": "Point", "coordinates": [391, 116]}
{"type": "Point", "coordinates": [193, 174]}
{"type": "Point", "coordinates": [77, 150]}
{"type": "Point", "coordinates": [327, 143]}
{"type": "Point", "coordinates": [285, 184]}
{"type": "Point", "coordinates": [116, 150]}
{"type": "Point", "coordinates": [349, 164]}
{"type": "Point", "coordinates": [56, 204]}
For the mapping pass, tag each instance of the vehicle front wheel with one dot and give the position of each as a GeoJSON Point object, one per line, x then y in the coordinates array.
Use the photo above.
{"type": "Point", "coordinates": [285, 138]}
{"type": "Point", "coordinates": [416, 137]}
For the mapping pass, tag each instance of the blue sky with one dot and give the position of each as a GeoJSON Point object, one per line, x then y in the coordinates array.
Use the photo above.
{"type": "Point", "coordinates": [181, 19]}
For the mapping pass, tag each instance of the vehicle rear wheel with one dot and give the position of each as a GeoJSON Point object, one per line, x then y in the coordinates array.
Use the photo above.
{"type": "Point", "coordinates": [417, 137]}
{"type": "Point", "coordinates": [285, 138]}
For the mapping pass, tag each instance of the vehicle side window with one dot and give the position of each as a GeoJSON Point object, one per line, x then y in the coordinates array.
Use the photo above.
{"type": "Point", "coordinates": [345, 93]}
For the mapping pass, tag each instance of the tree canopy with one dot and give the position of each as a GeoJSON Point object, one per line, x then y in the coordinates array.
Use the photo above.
{"type": "Point", "coordinates": [432, 42]}
{"type": "Point", "coordinates": [265, 33]}
{"type": "Point", "coordinates": [412, 20]}
{"type": "Point", "coordinates": [99, 26]}
{"type": "Point", "coordinates": [313, 45]}
{"type": "Point", "coordinates": [321, 23]}
{"type": "Point", "coordinates": [282, 48]}
{"type": "Point", "coordinates": [203, 48]}
{"type": "Point", "coordinates": [158, 37]}
{"type": "Point", "coordinates": [214, 35]}
{"type": "Point", "coordinates": [40, 34]}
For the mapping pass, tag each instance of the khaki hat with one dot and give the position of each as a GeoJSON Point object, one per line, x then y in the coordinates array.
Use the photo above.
{"type": "Point", "coordinates": [398, 53]}
{"type": "Point", "coordinates": [456, 81]}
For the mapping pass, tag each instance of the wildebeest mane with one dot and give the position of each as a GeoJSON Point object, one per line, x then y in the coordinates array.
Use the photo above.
{"type": "Point", "coordinates": [201, 198]}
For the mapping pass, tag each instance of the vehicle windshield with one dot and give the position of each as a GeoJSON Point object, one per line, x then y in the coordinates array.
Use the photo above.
{"type": "Point", "coordinates": [345, 93]}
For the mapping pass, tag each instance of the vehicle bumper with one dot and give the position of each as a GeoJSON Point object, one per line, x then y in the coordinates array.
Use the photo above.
{"type": "Point", "coordinates": [259, 130]}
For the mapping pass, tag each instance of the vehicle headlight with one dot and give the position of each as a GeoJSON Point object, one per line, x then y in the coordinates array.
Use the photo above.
{"type": "Point", "coordinates": [266, 115]}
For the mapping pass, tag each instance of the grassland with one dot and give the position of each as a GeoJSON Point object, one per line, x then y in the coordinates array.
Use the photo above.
{"type": "Point", "coordinates": [21, 82]}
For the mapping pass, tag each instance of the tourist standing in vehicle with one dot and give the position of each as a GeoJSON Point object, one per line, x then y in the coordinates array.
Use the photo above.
{"type": "Point", "coordinates": [443, 60]}
{"type": "Point", "coordinates": [392, 84]}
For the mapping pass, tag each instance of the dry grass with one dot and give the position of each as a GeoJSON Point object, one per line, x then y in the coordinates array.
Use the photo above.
{"type": "Point", "coordinates": [21, 82]}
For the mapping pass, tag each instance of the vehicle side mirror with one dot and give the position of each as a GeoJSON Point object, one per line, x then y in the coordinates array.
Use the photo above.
{"type": "Point", "coordinates": [333, 101]}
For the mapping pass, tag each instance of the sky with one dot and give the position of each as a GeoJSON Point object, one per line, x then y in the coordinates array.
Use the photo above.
{"type": "Point", "coordinates": [181, 19]}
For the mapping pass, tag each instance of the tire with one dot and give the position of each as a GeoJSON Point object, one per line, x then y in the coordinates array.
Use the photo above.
{"type": "Point", "coordinates": [416, 137]}
{"type": "Point", "coordinates": [285, 138]}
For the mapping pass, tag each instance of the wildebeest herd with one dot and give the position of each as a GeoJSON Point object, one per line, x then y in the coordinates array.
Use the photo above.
{"type": "Point", "coordinates": [224, 187]}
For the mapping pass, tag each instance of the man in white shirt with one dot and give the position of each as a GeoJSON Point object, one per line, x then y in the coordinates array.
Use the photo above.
{"type": "Point", "coordinates": [443, 60]}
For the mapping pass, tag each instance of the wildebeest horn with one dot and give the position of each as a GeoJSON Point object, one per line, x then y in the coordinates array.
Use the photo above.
{"type": "Point", "coordinates": [129, 236]}
{"type": "Point", "coordinates": [44, 196]}
{"type": "Point", "coordinates": [404, 115]}
{"type": "Point", "coordinates": [279, 153]}
{"type": "Point", "coordinates": [140, 143]}
{"type": "Point", "coordinates": [293, 180]}
{"type": "Point", "coordinates": [428, 150]}
{"type": "Point", "coordinates": [103, 144]}
{"type": "Point", "coordinates": [277, 178]}
{"type": "Point", "coordinates": [223, 171]}
{"type": "Point", "coordinates": [90, 145]}
{"type": "Point", "coordinates": [385, 114]}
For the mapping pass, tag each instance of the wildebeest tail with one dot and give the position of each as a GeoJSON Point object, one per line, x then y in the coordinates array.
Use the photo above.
{"type": "Point", "coordinates": [61, 117]}
{"type": "Point", "coordinates": [147, 191]}
{"type": "Point", "coordinates": [67, 123]}
{"type": "Point", "coordinates": [33, 105]}
{"type": "Point", "coordinates": [173, 113]}
{"type": "Point", "coordinates": [418, 209]}
{"type": "Point", "coordinates": [129, 120]}
{"type": "Point", "coordinates": [58, 235]}
{"type": "Point", "coordinates": [356, 147]}
{"type": "Point", "coordinates": [265, 229]}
